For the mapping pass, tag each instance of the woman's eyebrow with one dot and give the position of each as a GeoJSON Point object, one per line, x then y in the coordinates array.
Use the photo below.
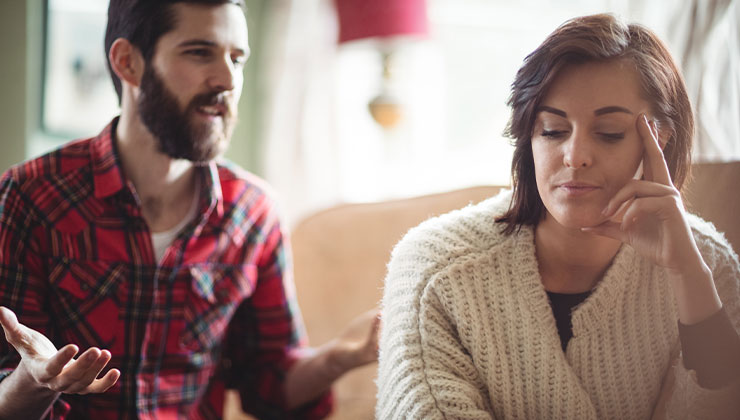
{"type": "Point", "coordinates": [610, 109]}
{"type": "Point", "coordinates": [598, 112]}
{"type": "Point", "coordinates": [551, 110]}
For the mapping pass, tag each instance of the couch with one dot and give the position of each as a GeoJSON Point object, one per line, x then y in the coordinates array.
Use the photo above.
{"type": "Point", "coordinates": [340, 255]}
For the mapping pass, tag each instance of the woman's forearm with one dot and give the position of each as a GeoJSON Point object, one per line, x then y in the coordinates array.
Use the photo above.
{"type": "Point", "coordinates": [696, 294]}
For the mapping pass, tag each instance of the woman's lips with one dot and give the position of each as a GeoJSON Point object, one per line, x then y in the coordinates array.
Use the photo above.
{"type": "Point", "coordinates": [577, 188]}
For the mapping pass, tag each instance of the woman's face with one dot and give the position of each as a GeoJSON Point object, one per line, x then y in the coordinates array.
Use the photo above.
{"type": "Point", "coordinates": [585, 142]}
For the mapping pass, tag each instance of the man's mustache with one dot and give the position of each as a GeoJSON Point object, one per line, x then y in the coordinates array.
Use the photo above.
{"type": "Point", "coordinates": [220, 99]}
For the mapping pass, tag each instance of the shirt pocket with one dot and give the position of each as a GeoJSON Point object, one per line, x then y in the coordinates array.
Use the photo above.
{"type": "Point", "coordinates": [85, 302]}
{"type": "Point", "coordinates": [215, 291]}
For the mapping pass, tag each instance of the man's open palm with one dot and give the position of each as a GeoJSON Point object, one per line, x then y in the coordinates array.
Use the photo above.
{"type": "Point", "coordinates": [55, 369]}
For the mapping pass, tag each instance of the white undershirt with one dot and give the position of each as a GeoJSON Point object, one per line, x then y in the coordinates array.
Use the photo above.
{"type": "Point", "coordinates": [162, 240]}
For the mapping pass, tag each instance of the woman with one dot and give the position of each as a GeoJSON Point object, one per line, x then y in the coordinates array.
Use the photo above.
{"type": "Point", "coordinates": [588, 292]}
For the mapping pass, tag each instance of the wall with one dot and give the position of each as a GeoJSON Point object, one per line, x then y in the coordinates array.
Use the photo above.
{"type": "Point", "coordinates": [14, 74]}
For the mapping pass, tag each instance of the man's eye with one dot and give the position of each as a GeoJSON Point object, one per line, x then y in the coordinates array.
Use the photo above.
{"type": "Point", "coordinates": [201, 52]}
{"type": "Point", "coordinates": [239, 61]}
{"type": "Point", "coordinates": [611, 136]}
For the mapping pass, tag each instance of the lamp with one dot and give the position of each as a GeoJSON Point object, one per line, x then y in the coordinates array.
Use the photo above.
{"type": "Point", "coordinates": [389, 22]}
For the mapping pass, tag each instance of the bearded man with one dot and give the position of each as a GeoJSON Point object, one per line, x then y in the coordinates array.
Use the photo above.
{"type": "Point", "coordinates": [164, 265]}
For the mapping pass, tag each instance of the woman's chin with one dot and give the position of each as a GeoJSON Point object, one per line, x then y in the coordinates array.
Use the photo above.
{"type": "Point", "coordinates": [578, 221]}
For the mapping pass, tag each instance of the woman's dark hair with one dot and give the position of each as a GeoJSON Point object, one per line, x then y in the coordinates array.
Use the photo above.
{"type": "Point", "coordinates": [143, 22]}
{"type": "Point", "coordinates": [594, 38]}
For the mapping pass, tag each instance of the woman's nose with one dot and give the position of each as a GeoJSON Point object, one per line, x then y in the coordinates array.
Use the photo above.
{"type": "Point", "coordinates": [577, 151]}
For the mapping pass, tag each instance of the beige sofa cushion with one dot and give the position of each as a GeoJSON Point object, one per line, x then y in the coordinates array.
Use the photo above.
{"type": "Point", "coordinates": [713, 193]}
{"type": "Point", "coordinates": [340, 258]}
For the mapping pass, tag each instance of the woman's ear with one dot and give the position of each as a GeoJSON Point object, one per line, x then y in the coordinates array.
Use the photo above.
{"type": "Point", "coordinates": [126, 61]}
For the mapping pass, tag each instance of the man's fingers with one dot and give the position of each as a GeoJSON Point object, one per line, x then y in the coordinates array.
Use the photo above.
{"type": "Point", "coordinates": [60, 371]}
{"type": "Point", "coordinates": [10, 325]}
{"type": "Point", "coordinates": [104, 383]}
{"type": "Point", "coordinates": [655, 166]}
{"type": "Point", "coordinates": [75, 371]}
{"type": "Point", "coordinates": [91, 373]}
{"type": "Point", "coordinates": [7, 317]}
{"type": "Point", "coordinates": [374, 333]}
{"type": "Point", "coordinates": [56, 363]}
{"type": "Point", "coordinates": [80, 376]}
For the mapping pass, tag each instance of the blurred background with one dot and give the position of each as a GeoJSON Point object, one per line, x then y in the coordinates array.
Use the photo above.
{"type": "Point", "coordinates": [360, 100]}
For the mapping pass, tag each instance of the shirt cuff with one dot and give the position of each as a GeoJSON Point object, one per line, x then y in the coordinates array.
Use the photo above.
{"type": "Point", "coordinates": [4, 373]}
{"type": "Point", "coordinates": [712, 349]}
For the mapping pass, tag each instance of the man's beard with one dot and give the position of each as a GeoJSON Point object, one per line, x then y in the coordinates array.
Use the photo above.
{"type": "Point", "coordinates": [176, 132]}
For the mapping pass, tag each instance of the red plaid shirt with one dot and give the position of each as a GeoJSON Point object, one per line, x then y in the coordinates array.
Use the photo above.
{"type": "Point", "coordinates": [217, 312]}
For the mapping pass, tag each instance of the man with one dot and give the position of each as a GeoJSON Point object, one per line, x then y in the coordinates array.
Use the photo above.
{"type": "Point", "coordinates": [166, 269]}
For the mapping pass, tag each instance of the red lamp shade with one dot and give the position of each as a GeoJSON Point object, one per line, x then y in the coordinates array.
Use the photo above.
{"type": "Point", "coordinates": [381, 18]}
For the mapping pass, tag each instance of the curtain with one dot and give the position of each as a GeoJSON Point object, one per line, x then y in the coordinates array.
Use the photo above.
{"type": "Point", "coordinates": [298, 142]}
{"type": "Point", "coordinates": [706, 34]}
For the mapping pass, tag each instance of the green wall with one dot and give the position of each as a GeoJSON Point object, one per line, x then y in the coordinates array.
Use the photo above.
{"type": "Point", "coordinates": [21, 44]}
{"type": "Point", "coordinates": [244, 148]}
{"type": "Point", "coordinates": [14, 104]}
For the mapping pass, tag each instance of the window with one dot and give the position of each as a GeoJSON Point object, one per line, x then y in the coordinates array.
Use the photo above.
{"type": "Point", "coordinates": [79, 99]}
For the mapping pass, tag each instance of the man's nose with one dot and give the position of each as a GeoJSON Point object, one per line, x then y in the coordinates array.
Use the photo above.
{"type": "Point", "coordinates": [577, 151]}
{"type": "Point", "coordinates": [223, 75]}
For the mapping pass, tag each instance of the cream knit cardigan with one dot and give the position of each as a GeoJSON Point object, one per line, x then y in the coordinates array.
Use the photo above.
{"type": "Point", "coordinates": [468, 332]}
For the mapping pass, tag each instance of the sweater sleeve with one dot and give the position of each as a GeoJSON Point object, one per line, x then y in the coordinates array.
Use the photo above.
{"type": "Point", "coordinates": [424, 370]}
{"type": "Point", "coordinates": [689, 399]}
{"type": "Point", "coordinates": [712, 349]}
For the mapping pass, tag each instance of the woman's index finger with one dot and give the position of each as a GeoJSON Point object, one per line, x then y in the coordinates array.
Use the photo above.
{"type": "Point", "coordinates": [654, 161]}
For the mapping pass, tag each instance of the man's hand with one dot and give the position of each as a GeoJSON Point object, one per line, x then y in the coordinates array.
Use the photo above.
{"type": "Point", "coordinates": [357, 345]}
{"type": "Point", "coordinates": [47, 368]}
{"type": "Point", "coordinates": [317, 369]}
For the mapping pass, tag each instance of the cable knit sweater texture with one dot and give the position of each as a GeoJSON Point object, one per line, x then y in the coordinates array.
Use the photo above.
{"type": "Point", "coordinates": [469, 333]}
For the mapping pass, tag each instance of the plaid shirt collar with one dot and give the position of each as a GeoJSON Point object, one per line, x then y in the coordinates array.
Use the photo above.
{"type": "Point", "coordinates": [108, 178]}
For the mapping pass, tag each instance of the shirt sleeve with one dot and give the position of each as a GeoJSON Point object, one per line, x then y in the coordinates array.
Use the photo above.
{"type": "Point", "coordinates": [263, 339]}
{"type": "Point", "coordinates": [23, 285]}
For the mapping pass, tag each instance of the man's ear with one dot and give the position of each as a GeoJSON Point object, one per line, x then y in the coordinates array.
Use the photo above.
{"type": "Point", "coordinates": [126, 61]}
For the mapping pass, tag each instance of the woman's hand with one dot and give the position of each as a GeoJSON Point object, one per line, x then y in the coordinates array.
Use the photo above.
{"type": "Point", "coordinates": [653, 222]}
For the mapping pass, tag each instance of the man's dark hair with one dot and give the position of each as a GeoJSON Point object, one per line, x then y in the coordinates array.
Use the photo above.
{"type": "Point", "coordinates": [596, 38]}
{"type": "Point", "coordinates": [143, 22]}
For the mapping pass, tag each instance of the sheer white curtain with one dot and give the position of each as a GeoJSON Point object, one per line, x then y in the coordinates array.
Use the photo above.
{"type": "Point", "coordinates": [706, 34]}
{"type": "Point", "coordinates": [704, 38]}
{"type": "Point", "coordinates": [298, 139]}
